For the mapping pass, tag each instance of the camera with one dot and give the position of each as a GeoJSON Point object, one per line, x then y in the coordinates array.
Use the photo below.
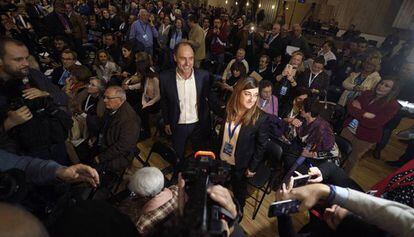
{"type": "Point", "coordinates": [13, 186]}
{"type": "Point", "coordinates": [202, 213]}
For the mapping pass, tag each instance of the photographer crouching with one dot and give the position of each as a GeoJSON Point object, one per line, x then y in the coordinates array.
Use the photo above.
{"type": "Point", "coordinates": [32, 123]}
{"type": "Point", "coordinates": [175, 211]}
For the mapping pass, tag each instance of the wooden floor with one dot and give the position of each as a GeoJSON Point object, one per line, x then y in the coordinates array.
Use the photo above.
{"type": "Point", "coordinates": [368, 172]}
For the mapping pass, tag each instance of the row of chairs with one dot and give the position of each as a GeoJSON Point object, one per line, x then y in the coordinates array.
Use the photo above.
{"type": "Point", "coordinates": [263, 182]}
{"type": "Point", "coordinates": [266, 173]}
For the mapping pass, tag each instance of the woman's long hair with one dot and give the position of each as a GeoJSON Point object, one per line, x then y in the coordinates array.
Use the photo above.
{"type": "Point", "coordinates": [301, 67]}
{"type": "Point", "coordinates": [233, 106]}
{"type": "Point", "coordinates": [394, 91]}
{"type": "Point", "coordinates": [97, 62]}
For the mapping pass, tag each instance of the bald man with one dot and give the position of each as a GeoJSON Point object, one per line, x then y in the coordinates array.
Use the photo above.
{"type": "Point", "coordinates": [16, 222]}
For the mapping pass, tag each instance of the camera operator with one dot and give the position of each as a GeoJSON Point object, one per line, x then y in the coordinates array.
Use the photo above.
{"type": "Point", "coordinates": [31, 121]}
{"type": "Point", "coordinates": [180, 224]}
{"type": "Point", "coordinates": [150, 202]}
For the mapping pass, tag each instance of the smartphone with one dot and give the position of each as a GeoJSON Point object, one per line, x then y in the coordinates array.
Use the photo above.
{"type": "Point", "coordinates": [300, 180]}
{"type": "Point", "coordinates": [285, 207]}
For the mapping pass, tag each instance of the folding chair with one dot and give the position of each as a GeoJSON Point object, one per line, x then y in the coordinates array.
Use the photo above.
{"type": "Point", "coordinates": [263, 179]}
{"type": "Point", "coordinates": [345, 148]}
{"type": "Point", "coordinates": [110, 181]}
{"type": "Point", "coordinates": [167, 154]}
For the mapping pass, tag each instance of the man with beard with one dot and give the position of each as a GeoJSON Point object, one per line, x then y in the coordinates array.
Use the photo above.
{"type": "Point", "coordinates": [31, 122]}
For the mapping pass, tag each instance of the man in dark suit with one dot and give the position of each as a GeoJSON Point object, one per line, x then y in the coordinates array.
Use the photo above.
{"type": "Point", "coordinates": [264, 71]}
{"type": "Point", "coordinates": [296, 39]}
{"type": "Point", "coordinates": [58, 23]}
{"type": "Point", "coordinates": [184, 101]}
{"type": "Point", "coordinates": [61, 74]}
{"type": "Point", "coordinates": [120, 132]}
{"type": "Point", "coordinates": [315, 78]}
{"type": "Point", "coordinates": [274, 44]}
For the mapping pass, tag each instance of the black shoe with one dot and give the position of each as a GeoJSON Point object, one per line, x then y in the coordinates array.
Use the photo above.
{"type": "Point", "coordinates": [376, 154]}
{"type": "Point", "coordinates": [395, 163]}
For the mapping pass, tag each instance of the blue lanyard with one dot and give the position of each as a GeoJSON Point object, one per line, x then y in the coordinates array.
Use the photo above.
{"type": "Point", "coordinates": [144, 28]}
{"type": "Point", "coordinates": [231, 132]}
{"type": "Point", "coordinates": [273, 106]}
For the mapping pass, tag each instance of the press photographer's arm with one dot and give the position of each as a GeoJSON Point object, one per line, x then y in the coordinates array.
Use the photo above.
{"type": "Point", "coordinates": [393, 217]}
{"type": "Point", "coordinates": [43, 172]}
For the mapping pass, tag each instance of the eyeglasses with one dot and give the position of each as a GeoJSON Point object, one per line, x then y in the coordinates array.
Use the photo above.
{"type": "Point", "coordinates": [111, 98]}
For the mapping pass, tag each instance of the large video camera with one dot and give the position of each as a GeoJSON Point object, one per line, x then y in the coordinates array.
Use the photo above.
{"type": "Point", "coordinates": [200, 172]}
{"type": "Point", "coordinates": [13, 186]}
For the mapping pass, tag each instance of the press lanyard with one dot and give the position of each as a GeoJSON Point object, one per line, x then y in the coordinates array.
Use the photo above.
{"type": "Point", "coordinates": [144, 28]}
{"type": "Point", "coordinates": [86, 104]}
{"type": "Point", "coordinates": [312, 79]}
{"type": "Point", "coordinates": [231, 132]}
{"type": "Point", "coordinates": [273, 107]}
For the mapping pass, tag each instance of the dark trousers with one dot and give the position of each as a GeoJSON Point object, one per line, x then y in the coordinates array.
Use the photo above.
{"type": "Point", "coordinates": [388, 128]}
{"type": "Point", "coordinates": [182, 133]}
{"type": "Point", "coordinates": [145, 118]}
{"type": "Point", "coordinates": [239, 186]}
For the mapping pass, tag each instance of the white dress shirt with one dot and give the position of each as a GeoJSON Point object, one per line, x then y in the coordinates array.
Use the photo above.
{"type": "Point", "coordinates": [187, 99]}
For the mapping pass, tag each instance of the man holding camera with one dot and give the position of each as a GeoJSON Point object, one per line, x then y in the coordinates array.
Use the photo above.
{"type": "Point", "coordinates": [31, 122]}
{"type": "Point", "coordinates": [218, 38]}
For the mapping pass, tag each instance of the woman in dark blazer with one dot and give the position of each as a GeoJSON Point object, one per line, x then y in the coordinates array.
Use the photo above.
{"type": "Point", "coordinates": [244, 135]}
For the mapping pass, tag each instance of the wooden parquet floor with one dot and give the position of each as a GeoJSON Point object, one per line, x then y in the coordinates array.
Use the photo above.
{"type": "Point", "coordinates": [368, 172]}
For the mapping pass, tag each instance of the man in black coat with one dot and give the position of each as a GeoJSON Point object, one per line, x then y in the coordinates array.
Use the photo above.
{"type": "Point", "coordinates": [296, 39]}
{"type": "Point", "coordinates": [184, 101]}
{"type": "Point", "coordinates": [315, 78]}
{"type": "Point", "coordinates": [274, 43]}
{"type": "Point", "coordinates": [57, 22]}
{"type": "Point", "coordinates": [120, 132]}
{"type": "Point", "coordinates": [31, 122]}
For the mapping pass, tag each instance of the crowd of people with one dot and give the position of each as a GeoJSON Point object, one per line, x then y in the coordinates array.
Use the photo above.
{"type": "Point", "coordinates": [82, 82]}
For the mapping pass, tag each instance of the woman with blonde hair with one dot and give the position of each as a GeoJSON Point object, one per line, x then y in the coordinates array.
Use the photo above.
{"type": "Point", "coordinates": [357, 82]}
{"type": "Point", "coordinates": [244, 135]}
{"type": "Point", "coordinates": [287, 80]}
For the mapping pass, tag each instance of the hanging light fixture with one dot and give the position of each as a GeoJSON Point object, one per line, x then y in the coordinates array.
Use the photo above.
{"type": "Point", "coordinates": [273, 6]}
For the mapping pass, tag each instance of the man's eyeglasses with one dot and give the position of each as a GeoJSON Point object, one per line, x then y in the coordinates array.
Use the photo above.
{"type": "Point", "coordinates": [111, 98]}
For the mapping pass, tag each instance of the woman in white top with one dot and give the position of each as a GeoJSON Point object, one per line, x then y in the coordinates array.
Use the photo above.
{"type": "Point", "coordinates": [357, 82]}
{"type": "Point", "coordinates": [104, 66]}
{"type": "Point", "coordinates": [149, 101]}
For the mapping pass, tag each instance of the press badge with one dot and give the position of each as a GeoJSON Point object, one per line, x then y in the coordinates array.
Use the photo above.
{"type": "Point", "coordinates": [228, 149]}
{"type": "Point", "coordinates": [145, 36]}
